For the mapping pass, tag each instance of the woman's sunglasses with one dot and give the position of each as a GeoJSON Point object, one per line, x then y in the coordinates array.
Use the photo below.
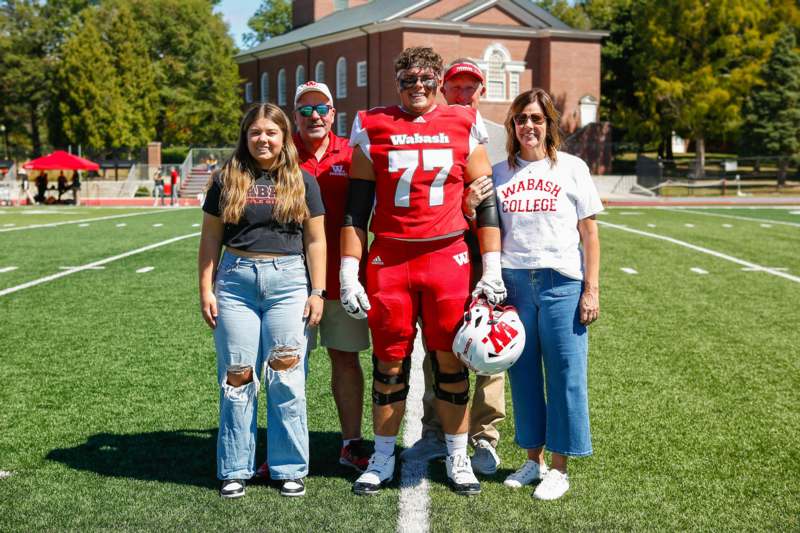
{"type": "Point", "coordinates": [520, 119]}
{"type": "Point", "coordinates": [308, 110]}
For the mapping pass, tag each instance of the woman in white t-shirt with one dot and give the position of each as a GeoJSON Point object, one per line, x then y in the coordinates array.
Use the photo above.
{"type": "Point", "coordinates": [551, 263]}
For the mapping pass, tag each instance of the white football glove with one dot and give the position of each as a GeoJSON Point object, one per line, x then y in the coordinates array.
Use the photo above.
{"type": "Point", "coordinates": [352, 294]}
{"type": "Point", "coordinates": [491, 283]}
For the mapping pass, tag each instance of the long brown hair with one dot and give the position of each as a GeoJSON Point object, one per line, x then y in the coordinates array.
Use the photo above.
{"type": "Point", "coordinates": [552, 139]}
{"type": "Point", "coordinates": [241, 170]}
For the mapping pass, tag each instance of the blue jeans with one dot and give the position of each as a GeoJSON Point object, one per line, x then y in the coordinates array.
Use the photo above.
{"type": "Point", "coordinates": [260, 316]}
{"type": "Point", "coordinates": [547, 303]}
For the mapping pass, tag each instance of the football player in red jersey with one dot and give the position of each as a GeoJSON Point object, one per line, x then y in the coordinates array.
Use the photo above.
{"type": "Point", "coordinates": [413, 161]}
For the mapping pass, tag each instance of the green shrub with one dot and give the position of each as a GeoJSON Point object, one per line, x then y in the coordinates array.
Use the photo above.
{"type": "Point", "coordinates": [141, 191]}
{"type": "Point", "coordinates": [174, 155]}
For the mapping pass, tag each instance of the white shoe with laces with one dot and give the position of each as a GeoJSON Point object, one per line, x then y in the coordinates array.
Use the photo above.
{"type": "Point", "coordinates": [380, 471]}
{"type": "Point", "coordinates": [553, 486]}
{"type": "Point", "coordinates": [460, 475]}
{"type": "Point", "coordinates": [485, 459]}
{"type": "Point", "coordinates": [528, 473]}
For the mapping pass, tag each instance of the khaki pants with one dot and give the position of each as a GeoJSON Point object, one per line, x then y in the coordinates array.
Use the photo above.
{"type": "Point", "coordinates": [488, 407]}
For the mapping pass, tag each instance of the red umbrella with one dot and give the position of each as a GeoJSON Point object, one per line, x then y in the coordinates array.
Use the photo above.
{"type": "Point", "coordinates": [61, 160]}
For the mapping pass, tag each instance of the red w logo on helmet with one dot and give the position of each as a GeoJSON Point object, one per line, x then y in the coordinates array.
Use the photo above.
{"type": "Point", "coordinates": [500, 336]}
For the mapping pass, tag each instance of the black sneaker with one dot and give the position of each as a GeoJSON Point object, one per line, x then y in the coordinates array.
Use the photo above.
{"type": "Point", "coordinates": [293, 487]}
{"type": "Point", "coordinates": [232, 488]}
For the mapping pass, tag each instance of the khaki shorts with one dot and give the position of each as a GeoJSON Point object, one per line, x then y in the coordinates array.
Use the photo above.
{"type": "Point", "coordinates": [339, 331]}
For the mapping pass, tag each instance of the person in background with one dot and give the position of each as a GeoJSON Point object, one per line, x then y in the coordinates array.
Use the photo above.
{"type": "Point", "coordinates": [158, 187]}
{"type": "Point", "coordinates": [268, 214]}
{"type": "Point", "coordinates": [463, 84]}
{"type": "Point", "coordinates": [62, 185]}
{"type": "Point", "coordinates": [41, 187]}
{"type": "Point", "coordinates": [174, 180]}
{"type": "Point", "coordinates": [551, 266]}
{"type": "Point", "coordinates": [75, 187]}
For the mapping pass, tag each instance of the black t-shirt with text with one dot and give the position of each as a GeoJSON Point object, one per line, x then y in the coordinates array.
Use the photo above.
{"type": "Point", "coordinates": [258, 231]}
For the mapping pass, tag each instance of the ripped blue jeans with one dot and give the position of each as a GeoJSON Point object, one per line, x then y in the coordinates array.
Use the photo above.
{"type": "Point", "coordinates": [260, 306]}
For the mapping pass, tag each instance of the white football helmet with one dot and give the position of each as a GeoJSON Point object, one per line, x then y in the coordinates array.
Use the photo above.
{"type": "Point", "coordinates": [491, 338]}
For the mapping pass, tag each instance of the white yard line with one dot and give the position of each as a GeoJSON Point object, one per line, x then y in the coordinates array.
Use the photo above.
{"type": "Point", "coordinates": [95, 264]}
{"type": "Point", "coordinates": [735, 217]}
{"type": "Point", "coordinates": [54, 224]}
{"type": "Point", "coordinates": [3, 270]}
{"type": "Point", "coordinates": [412, 516]}
{"type": "Point", "coordinates": [708, 251]}
{"type": "Point", "coordinates": [5, 473]}
{"type": "Point", "coordinates": [698, 270]}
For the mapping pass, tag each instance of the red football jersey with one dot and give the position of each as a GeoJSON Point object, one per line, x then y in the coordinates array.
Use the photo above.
{"type": "Point", "coordinates": [420, 164]}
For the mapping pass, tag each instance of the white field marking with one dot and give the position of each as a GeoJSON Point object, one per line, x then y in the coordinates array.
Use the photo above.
{"type": "Point", "coordinates": [88, 268]}
{"type": "Point", "coordinates": [195, 225]}
{"type": "Point", "coordinates": [766, 225]}
{"type": "Point", "coordinates": [95, 264]}
{"type": "Point", "coordinates": [54, 224]}
{"type": "Point", "coordinates": [735, 217]}
{"type": "Point", "coordinates": [412, 516]}
{"type": "Point", "coordinates": [9, 225]}
{"type": "Point", "coordinates": [651, 225]}
{"type": "Point", "coordinates": [727, 225]}
{"type": "Point", "coordinates": [708, 251]}
{"type": "Point", "coordinates": [121, 225]}
{"type": "Point", "coordinates": [144, 269]}
{"type": "Point", "coordinates": [5, 473]}
{"type": "Point", "coordinates": [689, 225]}
{"type": "Point", "coordinates": [794, 212]}
{"type": "Point", "coordinates": [628, 270]}
{"type": "Point", "coordinates": [749, 269]}
{"type": "Point", "coordinates": [698, 270]}
{"type": "Point", "coordinates": [83, 225]}
{"type": "Point", "coordinates": [158, 225]}
{"type": "Point", "coordinates": [7, 269]}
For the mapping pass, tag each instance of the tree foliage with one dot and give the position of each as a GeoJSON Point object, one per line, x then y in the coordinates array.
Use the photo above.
{"type": "Point", "coordinates": [272, 18]}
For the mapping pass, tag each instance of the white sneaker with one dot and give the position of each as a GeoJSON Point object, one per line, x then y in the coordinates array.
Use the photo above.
{"type": "Point", "coordinates": [426, 449]}
{"type": "Point", "coordinates": [553, 486]}
{"type": "Point", "coordinates": [380, 471]}
{"type": "Point", "coordinates": [460, 476]}
{"type": "Point", "coordinates": [485, 459]}
{"type": "Point", "coordinates": [529, 472]}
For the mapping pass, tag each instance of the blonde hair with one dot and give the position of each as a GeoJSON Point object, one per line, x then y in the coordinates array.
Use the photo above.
{"type": "Point", "coordinates": [552, 139]}
{"type": "Point", "coordinates": [240, 172]}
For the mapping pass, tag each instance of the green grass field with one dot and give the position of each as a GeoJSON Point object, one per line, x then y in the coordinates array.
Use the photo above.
{"type": "Point", "coordinates": [109, 403]}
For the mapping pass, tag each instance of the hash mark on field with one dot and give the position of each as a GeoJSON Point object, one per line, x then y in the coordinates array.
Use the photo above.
{"type": "Point", "coordinates": [766, 225]}
{"type": "Point", "coordinates": [735, 217]}
{"type": "Point", "coordinates": [698, 270]}
{"type": "Point", "coordinates": [9, 225]}
{"type": "Point", "coordinates": [195, 225]}
{"type": "Point", "coordinates": [727, 225]}
{"type": "Point", "coordinates": [7, 269]}
{"type": "Point", "coordinates": [83, 225]}
{"type": "Point", "coordinates": [5, 473]}
{"type": "Point", "coordinates": [794, 212]}
{"type": "Point", "coordinates": [651, 225]}
{"type": "Point", "coordinates": [689, 225]}
{"type": "Point", "coordinates": [121, 225]}
{"type": "Point", "coordinates": [144, 269]}
{"type": "Point", "coordinates": [157, 225]}
{"type": "Point", "coordinates": [628, 270]}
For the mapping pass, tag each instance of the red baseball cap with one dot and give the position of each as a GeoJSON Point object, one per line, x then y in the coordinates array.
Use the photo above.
{"type": "Point", "coordinates": [463, 68]}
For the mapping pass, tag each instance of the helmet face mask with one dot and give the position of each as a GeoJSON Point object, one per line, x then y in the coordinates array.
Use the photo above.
{"type": "Point", "coordinates": [491, 339]}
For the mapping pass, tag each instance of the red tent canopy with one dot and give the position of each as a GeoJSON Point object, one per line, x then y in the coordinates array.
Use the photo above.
{"type": "Point", "coordinates": [61, 160]}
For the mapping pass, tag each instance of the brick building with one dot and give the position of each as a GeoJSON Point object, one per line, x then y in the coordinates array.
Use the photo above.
{"type": "Point", "coordinates": [351, 46]}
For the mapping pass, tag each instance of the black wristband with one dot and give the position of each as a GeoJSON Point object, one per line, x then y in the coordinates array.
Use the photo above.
{"type": "Point", "coordinates": [360, 199]}
{"type": "Point", "coordinates": [486, 213]}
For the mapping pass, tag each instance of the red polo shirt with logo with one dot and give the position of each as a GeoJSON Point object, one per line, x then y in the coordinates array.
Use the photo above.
{"type": "Point", "coordinates": [332, 171]}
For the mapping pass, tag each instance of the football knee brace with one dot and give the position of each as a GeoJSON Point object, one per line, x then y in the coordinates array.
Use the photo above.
{"type": "Point", "coordinates": [385, 398]}
{"type": "Point", "coordinates": [457, 398]}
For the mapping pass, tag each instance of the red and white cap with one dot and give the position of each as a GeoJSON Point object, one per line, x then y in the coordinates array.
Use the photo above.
{"type": "Point", "coordinates": [463, 68]}
{"type": "Point", "coordinates": [312, 86]}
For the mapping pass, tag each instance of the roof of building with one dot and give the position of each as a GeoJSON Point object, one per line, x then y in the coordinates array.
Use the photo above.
{"type": "Point", "coordinates": [385, 11]}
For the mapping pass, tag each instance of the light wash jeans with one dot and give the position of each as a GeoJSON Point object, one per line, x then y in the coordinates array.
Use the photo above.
{"type": "Point", "coordinates": [260, 315]}
{"type": "Point", "coordinates": [547, 303]}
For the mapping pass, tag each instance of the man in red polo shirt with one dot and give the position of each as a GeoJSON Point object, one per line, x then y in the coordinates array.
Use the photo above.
{"type": "Point", "coordinates": [327, 157]}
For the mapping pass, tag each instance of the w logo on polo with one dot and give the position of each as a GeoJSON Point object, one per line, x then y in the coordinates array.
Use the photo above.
{"type": "Point", "coordinates": [461, 258]}
{"type": "Point", "coordinates": [338, 170]}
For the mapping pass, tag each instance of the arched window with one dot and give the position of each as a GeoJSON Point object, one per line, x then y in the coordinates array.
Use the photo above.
{"type": "Point", "coordinates": [341, 78]}
{"type": "Point", "coordinates": [319, 72]}
{"type": "Point", "coordinates": [282, 86]}
{"type": "Point", "coordinates": [265, 87]}
{"type": "Point", "coordinates": [495, 76]}
{"type": "Point", "coordinates": [300, 75]}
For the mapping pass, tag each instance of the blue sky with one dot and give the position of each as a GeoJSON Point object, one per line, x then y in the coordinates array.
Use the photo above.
{"type": "Point", "coordinates": [236, 13]}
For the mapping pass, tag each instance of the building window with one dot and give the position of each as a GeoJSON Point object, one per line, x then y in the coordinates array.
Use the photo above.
{"type": "Point", "coordinates": [341, 78]}
{"type": "Point", "coordinates": [495, 77]}
{"type": "Point", "coordinates": [513, 85]}
{"type": "Point", "coordinates": [339, 4]}
{"type": "Point", "coordinates": [264, 87]}
{"type": "Point", "coordinates": [319, 72]}
{"type": "Point", "coordinates": [248, 92]}
{"type": "Point", "coordinates": [341, 124]}
{"type": "Point", "coordinates": [282, 86]}
{"type": "Point", "coordinates": [300, 75]}
{"type": "Point", "coordinates": [361, 73]}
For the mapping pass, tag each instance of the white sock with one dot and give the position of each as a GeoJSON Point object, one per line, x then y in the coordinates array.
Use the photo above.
{"type": "Point", "coordinates": [456, 443]}
{"type": "Point", "coordinates": [385, 445]}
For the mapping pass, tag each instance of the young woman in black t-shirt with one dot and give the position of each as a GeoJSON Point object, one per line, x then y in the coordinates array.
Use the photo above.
{"type": "Point", "coordinates": [257, 298]}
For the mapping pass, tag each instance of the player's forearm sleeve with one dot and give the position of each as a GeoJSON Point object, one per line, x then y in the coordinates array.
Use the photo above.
{"type": "Point", "coordinates": [486, 213]}
{"type": "Point", "coordinates": [360, 198]}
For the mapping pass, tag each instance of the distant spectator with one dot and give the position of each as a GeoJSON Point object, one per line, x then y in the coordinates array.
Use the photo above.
{"type": "Point", "coordinates": [158, 188]}
{"type": "Point", "coordinates": [174, 179]}
{"type": "Point", "coordinates": [41, 187]}
{"type": "Point", "coordinates": [75, 187]}
{"type": "Point", "coordinates": [62, 184]}
{"type": "Point", "coordinates": [25, 185]}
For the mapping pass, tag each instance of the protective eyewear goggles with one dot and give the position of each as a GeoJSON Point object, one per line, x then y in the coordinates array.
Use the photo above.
{"type": "Point", "coordinates": [520, 119]}
{"type": "Point", "coordinates": [308, 110]}
{"type": "Point", "coordinates": [409, 82]}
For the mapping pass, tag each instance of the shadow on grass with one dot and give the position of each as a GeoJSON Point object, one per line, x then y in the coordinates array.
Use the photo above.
{"type": "Point", "coordinates": [186, 457]}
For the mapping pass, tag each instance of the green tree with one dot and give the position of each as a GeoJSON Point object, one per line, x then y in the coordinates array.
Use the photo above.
{"type": "Point", "coordinates": [772, 112]}
{"type": "Point", "coordinates": [273, 17]}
